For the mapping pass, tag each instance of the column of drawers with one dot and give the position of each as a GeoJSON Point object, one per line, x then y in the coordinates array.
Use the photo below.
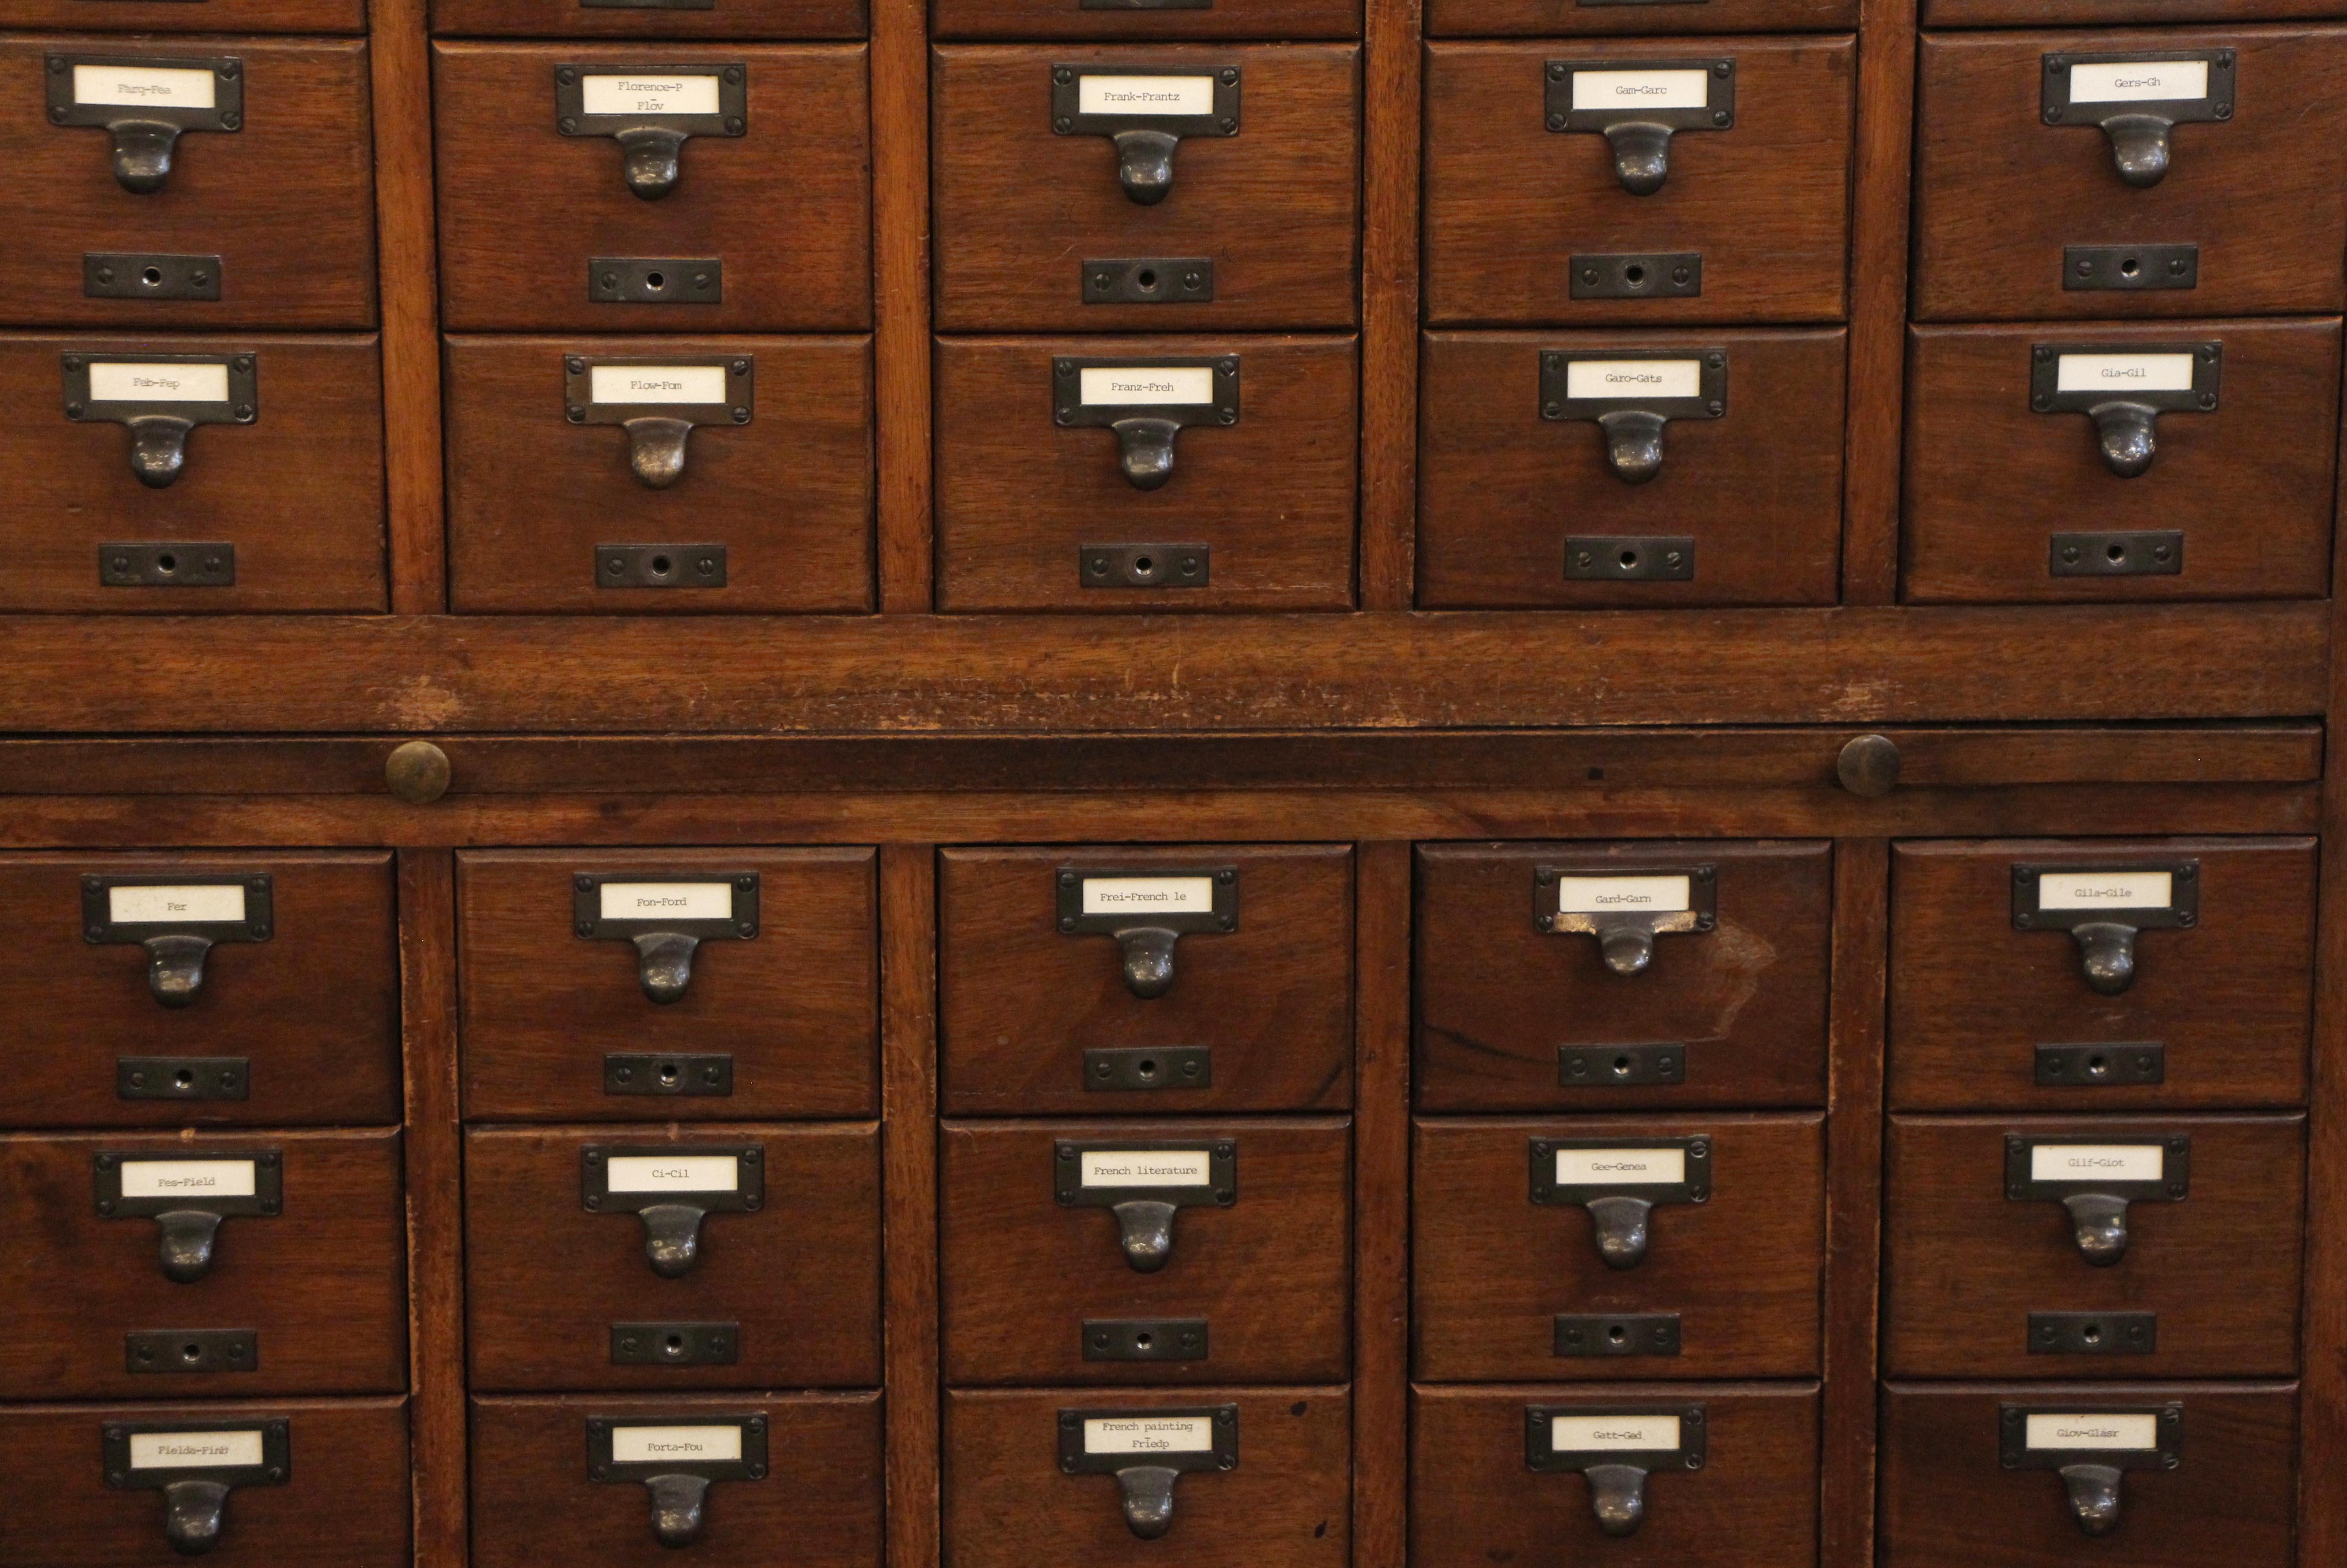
{"type": "Point", "coordinates": [200, 1180]}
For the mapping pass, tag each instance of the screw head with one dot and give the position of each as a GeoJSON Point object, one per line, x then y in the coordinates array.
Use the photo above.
{"type": "Point", "coordinates": [565, 75]}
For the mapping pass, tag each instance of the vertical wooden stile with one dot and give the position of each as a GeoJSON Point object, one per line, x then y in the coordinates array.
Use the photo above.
{"type": "Point", "coordinates": [1381, 917]}
{"type": "Point", "coordinates": [1862, 937]}
{"type": "Point", "coordinates": [1878, 301]}
{"type": "Point", "coordinates": [1393, 65]}
{"type": "Point", "coordinates": [900, 235]}
{"type": "Point", "coordinates": [399, 50]}
{"type": "Point", "coordinates": [908, 1090]}
{"type": "Point", "coordinates": [435, 1217]}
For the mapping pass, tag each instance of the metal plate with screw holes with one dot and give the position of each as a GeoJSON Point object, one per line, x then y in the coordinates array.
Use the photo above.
{"type": "Point", "coordinates": [144, 275]}
{"type": "Point", "coordinates": [2119, 1064]}
{"type": "Point", "coordinates": [2046, 397]}
{"type": "Point", "coordinates": [675, 1344]}
{"type": "Point", "coordinates": [2012, 1441]}
{"type": "Point", "coordinates": [1068, 118]}
{"type": "Point", "coordinates": [192, 1350]}
{"type": "Point", "coordinates": [2143, 552]}
{"type": "Point", "coordinates": [1694, 1188]}
{"type": "Point", "coordinates": [181, 1077]}
{"type": "Point", "coordinates": [2172, 1185]}
{"type": "Point", "coordinates": [266, 1198]}
{"type": "Point", "coordinates": [747, 1195]}
{"type": "Point", "coordinates": [1138, 1067]}
{"type": "Point", "coordinates": [2094, 1333]}
{"type": "Point", "coordinates": [2181, 910]}
{"type": "Point", "coordinates": [1223, 1455]}
{"type": "Point", "coordinates": [588, 921]}
{"type": "Point", "coordinates": [2123, 268]}
{"type": "Point", "coordinates": [579, 406]}
{"type": "Point", "coordinates": [1717, 112]}
{"type": "Point", "coordinates": [168, 563]}
{"type": "Point", "coordinates": [1069, 409]}
{"type": "Point", "coordinates": [1629, 557]}
{"type": "Point", "coordinates": [1619, 1066]}
{"type": "Point", "coordinates": [652, 1072]}
{"type": "Point", "coordinates": [751, 1466]}
{"type": "Point", "coordinates": [1219, 1190]}
{"type": "Point", "coordinates": [1069, 881]}
{"type": "Point", "coordinates": [1147, 281]}
{"type": "Point", "coordinates": [1542, 1454]}
{"type": "Point", "coordinates": [240, 407]}
{"type": "Point", "coordinates": [225, 113]}
{"type": "Point", "coordinates": [2054, 90]}
{"type": "Point", "coordinates": [1585, 1334]}
{"type": "Point", "coordinates": [276, 1455]}
{"type": "Point", "coordinates": [731, 118]}
{"type": "Point", "coordinates": [99, 928]}
{"type": "Point", "coordinates": [1701, 913]}
{"type": "Point", "coordinates": [1144, 1339]}
{"type": "Point", "coordinates": [656, 281]}
{"type": "Point", "coordinates": [659, 566]}
{"type": "Point", "coordinates": [1145, 565]}
{"type": "Point", "coordinates": [1640, 275]}
{"type": "Point", "coordinates": [1709, 402]}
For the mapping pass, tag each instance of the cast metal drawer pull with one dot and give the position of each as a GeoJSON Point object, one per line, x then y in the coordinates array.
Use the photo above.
{"type": "Point", "coordinates": [650, 110]}
{"type": "Point", "coordinates": [162, 398]}
{"type": "Point", "coordinates": [195, 1465]}
{"type": "Point", "coordinates": [177, 919]}
{"type": "Point", "coordinates": [2123, 389]}
{"type": "Point", "coordinates": [672, 1188]}
{"type": "Point", "coordinates": [1147, 403]}
{"type": "Point", "coordinates": [1619, 1181]}
{"type": "Point", "coordinates": [1614, 1450]}
{"type": "Point", "coordinates": [1637, 105]}
{"type": "Point", "coordinates": [1626, 909]}
{"type": "Point", "coordinates": [2103, 907]}
{"type": "Point", "coordinates": [2095, 1180]}
{"type": "Point", "coordinates": [1143, 1181]}
{"type": "Point", "coordinates": [2091, 1447]}
{"type": "Point", "coordinates": [188, 1194]}
{"type": "Point", "coordinates": [2138, 99]}
{"type": "Point", "coordinates": [667, 918]}
{"type": "Point", "coordinates": [1146, 113]}
{"type": "Point", "coordinates": [1148, 1451]}
{"type": "Point", "coordinates": [144, 103]}
{"type": "Point", "coordinates": [1631, 394]}
{"type": "Point", "coordinates": [658, 401]}
{"type": "Point", "coordinates": [1147, 911]}
{"type": "Point", "coordinates": [676, 1461]}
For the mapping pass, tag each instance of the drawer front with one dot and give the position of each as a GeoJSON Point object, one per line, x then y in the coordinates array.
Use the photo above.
{"type": "Point", "coordinates": [534, 492]}
{"type": "Point", "coordinates": [2196, 1221]}
{"type": "Point", "coordinates": [1025, 213]}
{"type": "Point", "coordinates": [178, 16]}
{"type": "Point", "coordinates": [1287, 1498]}
{"type": "Point", "coordinates": [2110, 12]}
{"type": "Point", "coordinates": [1751, 1503]}
{"type": "Point", "coordinates": [1721, 1265]}
{"type": "Point", "coordinates": [296, 491]}
{"type": "Point", "coordinates": [1549, 18]}
{"type": "Point", "coordinates": [528, 213]}
{"type": "Point", "coordinates": [817, 1501]}
{"type": "Point", "coordinates": [1948, 1498]}
{"type": "Point", "coordinates": [1978, 1006]}
{"type": "Point", "coordinates": [292, 1242]}
{"type": "Point", "coordinates": [135, 1014]}
{"type": "Point", "coordinates": [1517, 214]}
{"type": "Point", "coordinates": [277, 214]}
{"type": "Point", "coordinates": [1044, 450]}
{"type": "Point", "coordinates": [1018, 19]}
{"type": "Point", "coordinates": [2001, 193]}
{"type": "Point", "coordinates": [792, 1278]}
{"type": "Point", "coordinates": [1085, 1020]}
{"type": "Point", "coordinates": [1065, 1243]}
{"type": "Point", "coordinates": [343, 1501]}
{"type": "Point", "coordinates": [1513, 1017]}
{"type": "Point", "coordinates": [647, 19]}
{"type": "Point", "coordinates": [784, 1023]}
{"type": "Point", "coordinates": [2005, 457]}
{"type": "Point", "coordinates": [1565, 469]}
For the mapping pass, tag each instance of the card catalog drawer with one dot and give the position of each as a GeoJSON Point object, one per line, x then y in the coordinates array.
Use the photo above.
{"type": "Point", "coordinates": [1549, 18]}
{"type": "Point", "coordinates": [652, 18]}
{"type": "Point", "coordinates": [178, 16]}
{"type": "Point", "coordinates": [1144, 20]}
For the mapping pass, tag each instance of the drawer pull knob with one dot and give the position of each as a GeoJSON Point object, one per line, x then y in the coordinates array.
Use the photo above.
{"type": "Point", "coordinates": [651, 157]}
{"type": "Point", "coordinates": [1617, 1495]}
{"type": "Point", "coordinates": [158, 448]}
{"type": "Point", "coordinates": [2096, 1180]}
{"type": "Point", "coordinates": [2094, 1492]}
{"type": "Point", "coordinates": [1625, 908]}
{"type": "Point", "coordinates": [2098, 1224]}
{"type": "Point", "coordinates": [1148, 959]}
{"type": "Point", "coordinates": [671, 1238]}
{"type": "Point", "coordinates": [656, 449]}
{"type": "Point", "coordinates": [175, 968]}
{"type": "Point", "coordinates": [1146, 451]}
{"type": "Point", "coordinates": [2126, 434]}
{"type": "Point", "coordinates": [187, 1242]}
{"type": "Point", "coordinates": [1148, 1492]}
{"type": "Point", "coordinates": [2103, 907]}
{"type": "Point", "coordinates": [192, 1511]}
{"type": "Point", "coordinates": [1634, 444]}
{"type": "Point", "coordinates": [142, 153]}
{"type": "Point", "coordinates": [680, 1506]}
{"type": "Point", "coordinates": [1641, 155]}
{"type": "Point", "coordinates": [1144, 165]}
{"type": "Point", "coordinates": [1145, 1226]}
{"type": "Point", "coordinates": [1627, 949]}
{"type": "Point", "coordinates": [1622, 1226]}
{"type": "Point", "coordinates": [664, 964]}
{"type": "Point", "coordinates": [2107, 955]}
{"type": "Point", "coordinates": [2140, 147]}
{"type": "Point", "coordinates": [1867, 766]}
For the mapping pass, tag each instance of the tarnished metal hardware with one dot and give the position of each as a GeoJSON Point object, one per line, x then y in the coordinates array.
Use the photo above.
{"type": "Point", "coordinates": [2119, 387]}
{"type": "Point", "coordinates": [1637, 275]}
{"type": "Point", "coordinates": [1144, 1338]}
{"type": "Point", "coordinates": [672, 1204]}
{"type": "Point", "coordinates": [1147, 281]}
{"type": "Point", "coordinates": [2090, 1445]}
{"type": "Point", "coordinates": [2145, 552]}
{"type": "Point", "coordinates": [1630, 394]}
{"type": "Point", "coordinates": [1147, 1451]}
{"type": "Point", "coordinates": [2115, 1065]}
{"type": "Point", "coordinates": [162, 398]}
{"type": "Point", "coordinates": [677, 1458]}
{"type": "Point", "coordinates": [1867, 766]}
{"type": "Point", "coordinates": [1147, 401]}
{"type": "Point", "coordinates": [665, 943]}
{"type": "Point", "coordinates": [658, 401]}
{"type": "Point", "coordinates": [656, 281]}
{"type": "Point", "coordinates": [1625, 907]}
{"type": "Point", "coordinates": [2083, 1182]}
{"type": "Point", "coordinates": [182, 1077]}
{"type": "Point", "coordinates": [1615, 1449]}
{"type": "Point", "coordinates": [2104, 919]}
{"type": "Point", "coordinates": [195, 1465]}
{"type": "Point", "coordinates": [655, 1073]}
{"type": "Point", "coordinates": [144, 130]}
{"type": "Point", "coordinates": [675, 1344]}
{"type": "Point", "coordinates": [1582, 1334]}
{"type": "Point", "coordinates": [417, 772]}
{"type": "Point", "coordinates": [1145, 139]}
{"type": "Point", "coordinates": [188, 1193]}
{"type": "Point", "coordinates": [192, 1350]}
{"type": "Point", "coordinates": [168, 563]}
{"type": "Point", "coordinates": [177, 925]}
{"type": "Point", "coordinates": [1143, 1181]}
{"type": "Point", "coordinates": [2130, 268]}
{"type": "Point", "coordinates": [1138, 1067]}
{"type": "Point", "coordinates": [1629, 557]}
{"type": "Point", "coordinates": [1631, 117]}
{"type": "Point", "coordinates": [650, 137]}
{"type": "Point", "coordinates": [1619, 1066]}
{"type": "Point", "coordinates": [1148, 909]}
{"type": "Point", "coordinates": [1145, 566]}
{"type": "Point", "coordinates": [2138, 110]}
{"type": "Point", "coordinates": [2094, 1333]}
{"type": "Point", "coordinates": [659, 566]}
{"type": "Point", "coordinates": [1620, 1181]}
{"type": "Point", "coordinates": [149, 275]}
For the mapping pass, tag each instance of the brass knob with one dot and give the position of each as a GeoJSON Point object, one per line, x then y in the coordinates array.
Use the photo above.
{"type": "Point", "coordinates": [1868, 766]}
{"type": "Point", "coordinates": [417, 772]}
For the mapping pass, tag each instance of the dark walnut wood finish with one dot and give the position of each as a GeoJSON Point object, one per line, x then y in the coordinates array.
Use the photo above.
{"type": "Point", "coordinates": [722, 19]}
{"type": "Point", "coordinates": [1020, 19]}
{"type": "Point", "coordinates": [1548, 18]}
{"type": "Point", "coordinates": [178, 16]}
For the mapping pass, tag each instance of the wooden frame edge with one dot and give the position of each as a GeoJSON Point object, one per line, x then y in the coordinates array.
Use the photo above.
{"type": "Point", "coordinates": [903, 537]}
{"type": "Point", "coordinates": [1875, 411]}
{"type": "Point", "coordinates": [407, 279]}
{"type": "Point", "coordinates": [432, 1148]}
{"type": "Point", "coordinates": [908, 1135]}
{"type": "Point", "coordinates": [1392, 64]}
{"type": "Point", "coordinates": [1854, 1099]}
{"type": "Point", "coordinates": [1381, 945]}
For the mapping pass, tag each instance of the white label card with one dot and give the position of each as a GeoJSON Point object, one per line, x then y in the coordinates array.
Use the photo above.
{"type": "Point", "coordinates": [1634, 378]}
{"type": "Point", "coordinates": [2083, 1162]}
{"type": "Point", "coordinates": [1149, 895]}
{"type": "Point", "coordinates": [668, 900]}
{"type": "Point", "coordinates": [1145, 94]}
{"type": "Point", "coordinates": [1149, 1435]}
{"type": "Point", "coordinates": [2138, 81]}
{"type": "Point", "coordinates": [1606, 894]}
{"type": "Point", "coordinates": [1145, 1168]}
{"type": "Point", "coordinates": [113, 381]}
{"type": "Point", "coordinates": [187, 1450]}
{"type": "Point", "coordinates": [109, 83]}
{"type": "Point", "coordinates": [673, 1174]}
{"type": "Point", "coordinates": [186, 1178]}
{"type": "Point", "coordinates": [193, 904]}
{"type": "Point", "coordinates": [1620, 1167]}
{"type": "Point", "coordinates": [1148, 384]}
{"type": "Point", "coordinates": [672, 92]}
{"type": "Point", "coordinates": [2105, 890]}
{"type": "Point", "coordinates": [1641, 89]}
{"type": "Point", "coordinates": [1599, 1434]}
{"type": "Point", "coordinates": [656, 382]}
{"type": "Point", "coordinates": [2124, 372]}
{"type": "Point", "coordinates": [675, 1445]}
{"type": "Point", "coordinates": [2111, 1429]}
